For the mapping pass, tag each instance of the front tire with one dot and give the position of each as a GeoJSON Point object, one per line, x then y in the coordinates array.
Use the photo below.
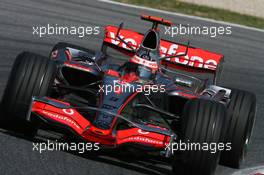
{"type": "Point", "coordinates": [242, 113]}
{"type": "Point", "coordinates": [203, 122]}
{"type": "Point", "coordinates": [31, 75]}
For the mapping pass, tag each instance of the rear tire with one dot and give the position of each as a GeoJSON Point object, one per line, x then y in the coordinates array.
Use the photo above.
{"type": "Point", "coordinates": [203, 122]}
{"type": "Point", "coordinates": [31, 75]}
{"type": "Point", "coordinates": [241, 112]}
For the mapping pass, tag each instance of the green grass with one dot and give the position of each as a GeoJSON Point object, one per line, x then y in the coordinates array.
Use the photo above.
{"type": "Point", "coordinates": [199, 10]}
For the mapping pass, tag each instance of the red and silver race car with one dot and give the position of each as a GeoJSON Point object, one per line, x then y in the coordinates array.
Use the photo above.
{"type": "Point", "coordinates": [163, 95]}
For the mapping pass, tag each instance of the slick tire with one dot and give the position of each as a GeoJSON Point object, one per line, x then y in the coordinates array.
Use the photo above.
{"type": "Point", "coordinates": [31, 75]}
{"type": "Point", "coordinates": [202, 123]}
{"type": "Point", "coordinates": [242, 113]}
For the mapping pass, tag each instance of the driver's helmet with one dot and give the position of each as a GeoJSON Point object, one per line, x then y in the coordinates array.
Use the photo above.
{"type": "Point", "coordinates": [144, 68]}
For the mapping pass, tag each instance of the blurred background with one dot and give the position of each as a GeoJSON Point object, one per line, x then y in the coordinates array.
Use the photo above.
{"type": "Point", "coordinates": [244, 12]}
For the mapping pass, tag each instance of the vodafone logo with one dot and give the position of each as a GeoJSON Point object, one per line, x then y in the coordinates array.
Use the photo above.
{"type": "Point", "coordinates": [63, 118]}
{"type": "Point", "coordinates": [68, 111]}
{"type": "Point", "coordinates": [142, 132]}
{"type": "Point", "coordinates": [143, 139]}
{"type": "Point", "coordinates": [195, 58]}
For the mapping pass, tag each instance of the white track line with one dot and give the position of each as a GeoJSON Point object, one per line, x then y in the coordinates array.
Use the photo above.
{"type": "Point", "coordinates": [182, 15]}
{"type": "Point", "coordinates": [252, 170]}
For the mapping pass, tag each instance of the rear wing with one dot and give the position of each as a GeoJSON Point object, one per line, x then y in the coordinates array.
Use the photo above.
{"type": "Point", "coordinates": [197, 59]}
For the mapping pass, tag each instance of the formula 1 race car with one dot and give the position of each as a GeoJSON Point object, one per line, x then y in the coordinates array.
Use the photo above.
{"type": "Point", "coordinates": [164, 94]}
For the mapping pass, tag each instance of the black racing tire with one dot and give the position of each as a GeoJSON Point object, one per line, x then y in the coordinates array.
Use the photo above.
{"type": "Point", "coordinates": [31, 75]}
{"type": "Point", "coordinates": [203, 123]}
{"type": "Point", "coordinates": [242, 114]}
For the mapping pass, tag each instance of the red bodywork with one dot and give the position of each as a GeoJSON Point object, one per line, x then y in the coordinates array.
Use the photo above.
{"type": "Point", "coordinates": [81, 126]}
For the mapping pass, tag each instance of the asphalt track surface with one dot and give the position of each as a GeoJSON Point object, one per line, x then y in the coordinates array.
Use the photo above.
{"type": "Point", "coordinates": [244, 68]}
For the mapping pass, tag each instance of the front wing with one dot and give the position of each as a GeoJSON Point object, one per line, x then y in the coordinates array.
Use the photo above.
{"type": "Point", "coordinates": [62, 114]}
